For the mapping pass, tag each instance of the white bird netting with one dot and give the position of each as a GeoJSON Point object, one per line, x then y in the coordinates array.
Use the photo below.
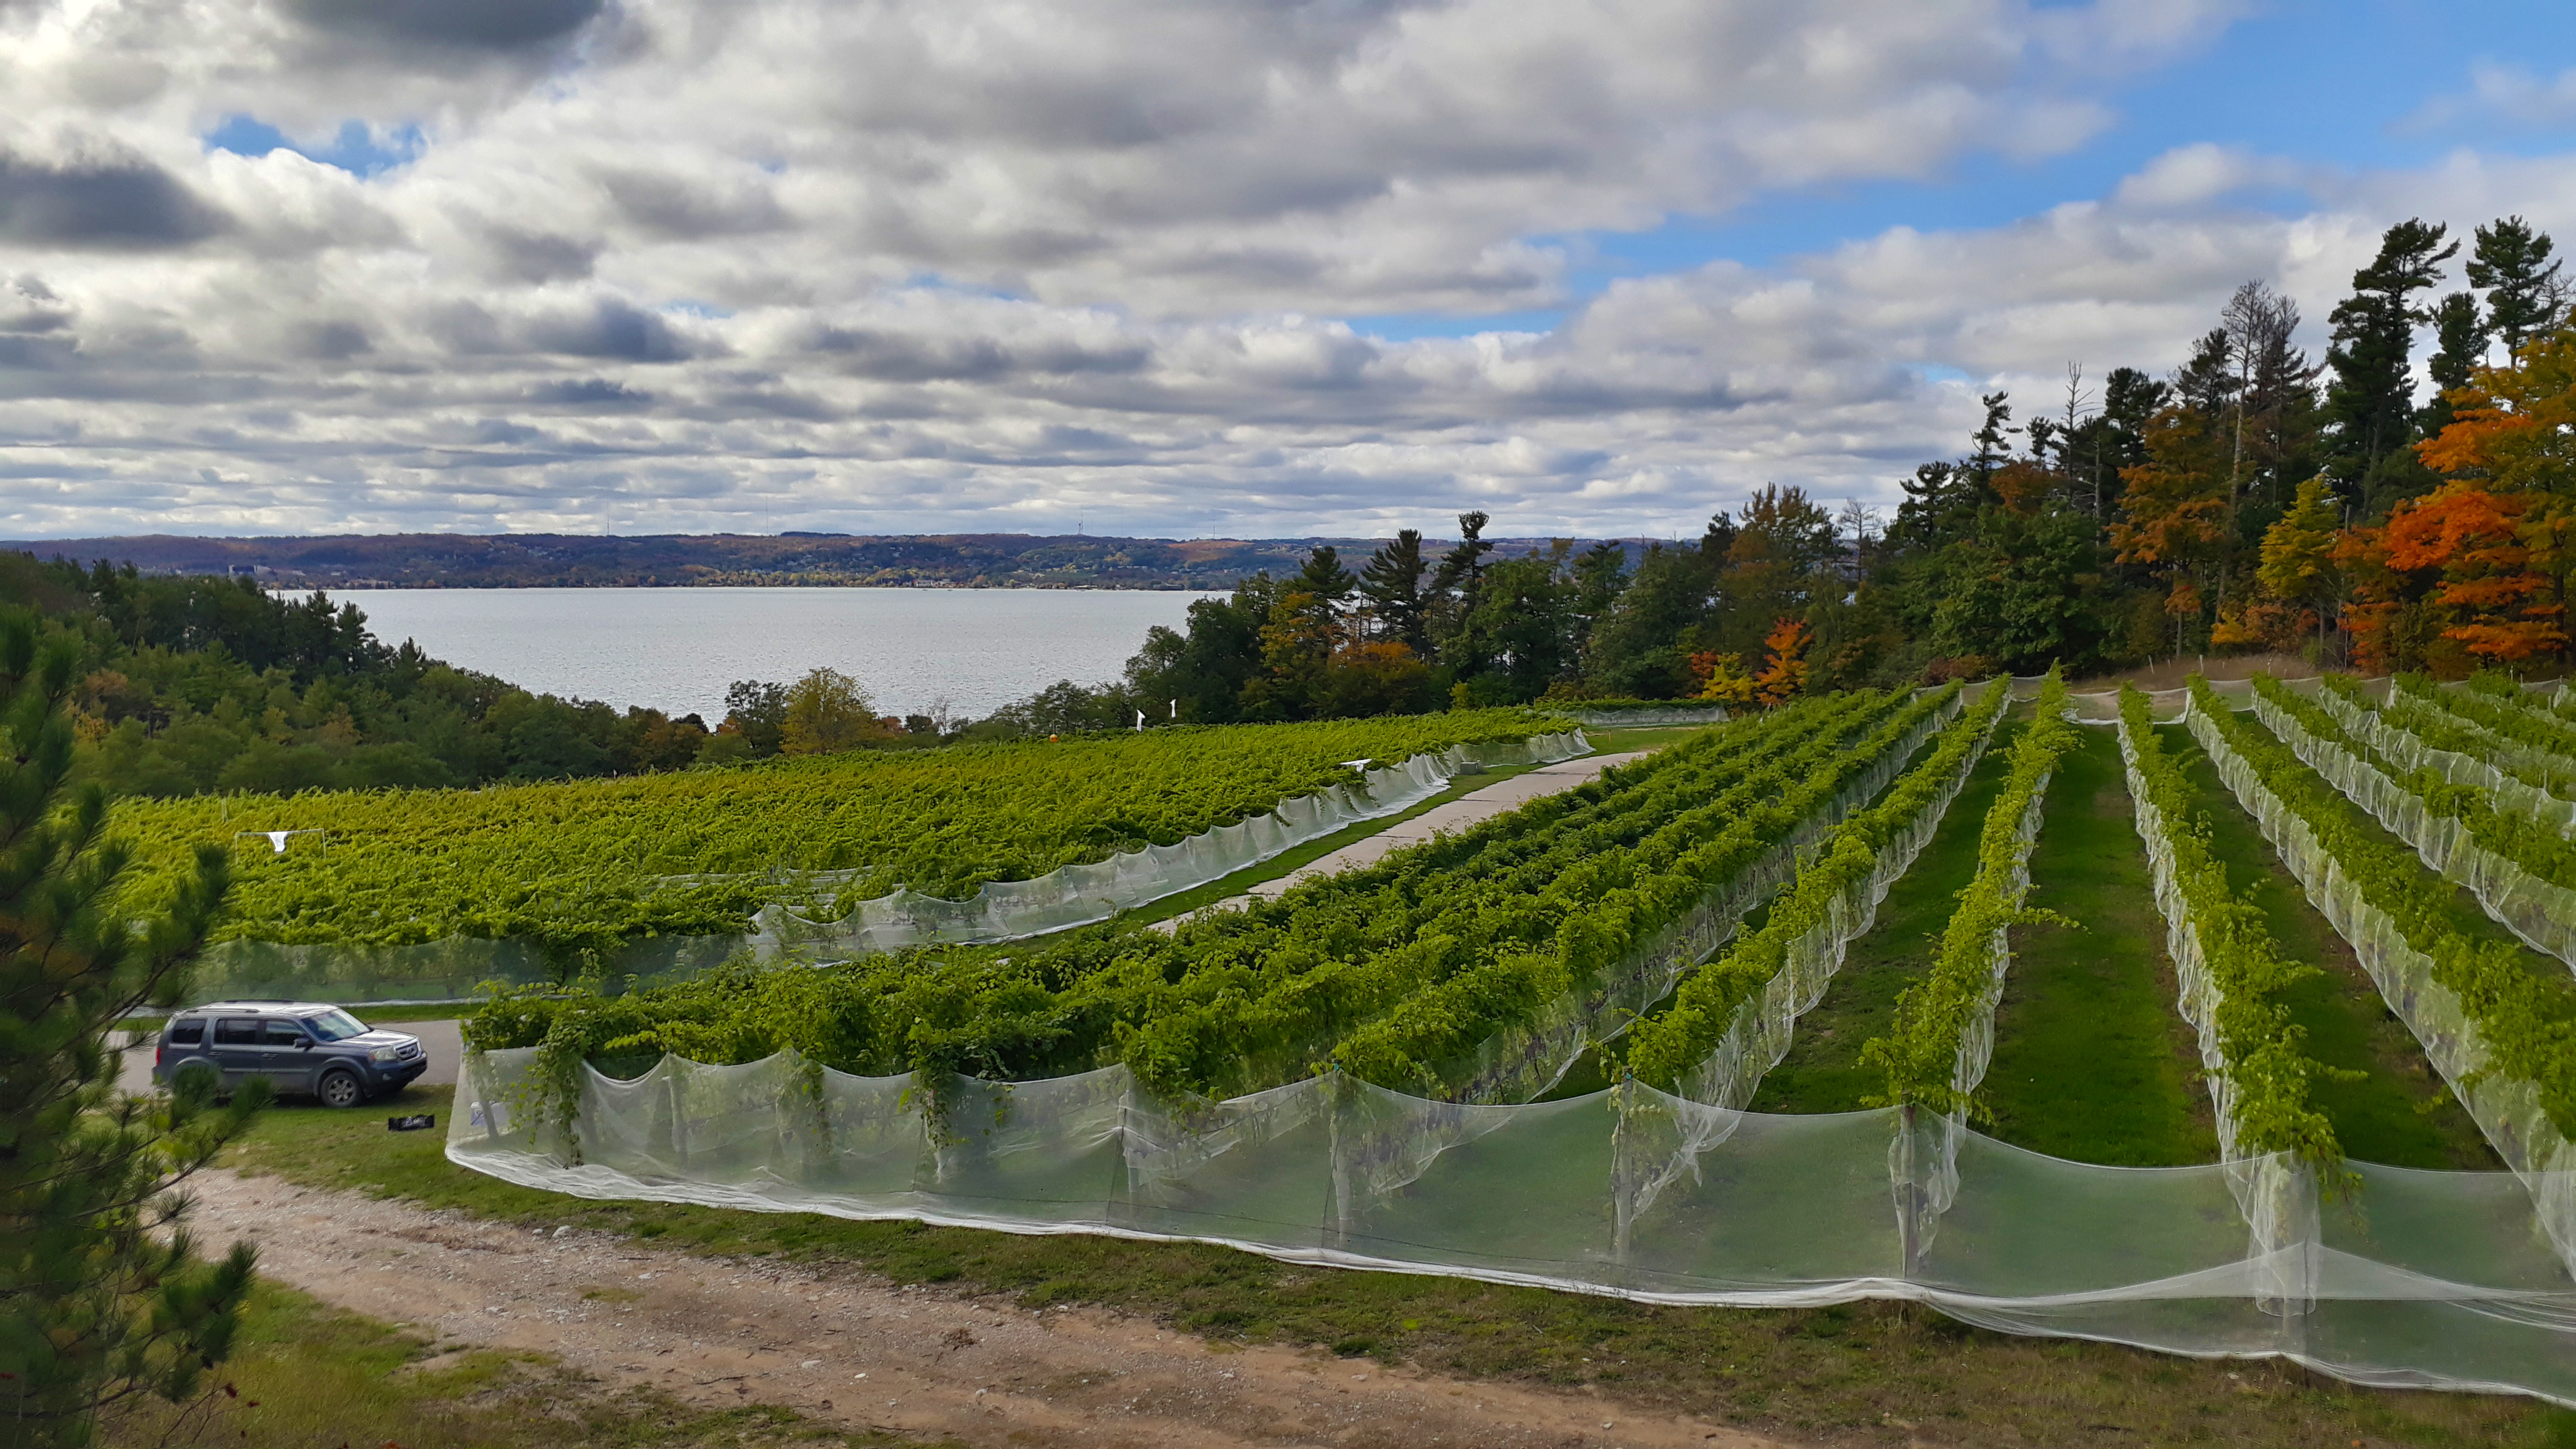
{"type": "Point", "coordinates": [2556, 770]}
{"type": "Point", "coordinates": [1524, 1062]}
{"type": "Point", "coordinates": [1923, 1155]}
{"type": "Point", "coordinates": [2424, 1279]}
{"type": "Point", "coordinates": [2542, 914]}
{"type": "Point", "coordinates": [1073, 895]}
{"type": "Point", "coordinates": [1079, 895]}
{"type": "Point", "coordinates": [2404, 748]}
{"type": "Point", "coordinates": [1765, 1025]}
{"type": "Point", "coordinates": [2278, 1204]}
{"type": "Point", "coordinates": [2431, 1279]}
{"type": "Point", "coordinates": [2507, 1109]}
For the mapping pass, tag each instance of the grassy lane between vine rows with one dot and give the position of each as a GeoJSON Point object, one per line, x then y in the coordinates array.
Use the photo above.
{"type": "Point", "coordinates": [1823, 1071]}
{"type": "Point", "coordinates": [2400, 1113]}
{"type": "Point", "coordinates": [2093, 1059]}
{"type": "Point", "coordinates": [1859, 1374]}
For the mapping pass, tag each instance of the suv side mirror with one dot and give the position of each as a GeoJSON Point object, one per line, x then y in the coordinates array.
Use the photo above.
{"type": "Point", "coordinates": [305, 1045]}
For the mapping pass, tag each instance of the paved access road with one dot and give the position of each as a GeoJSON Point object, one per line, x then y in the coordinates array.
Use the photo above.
{"type": "Point", "coordinates": [1449, 818]}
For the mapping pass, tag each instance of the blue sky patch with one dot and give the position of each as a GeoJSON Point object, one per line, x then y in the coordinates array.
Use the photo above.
{"type": "Point", "coordinates": [357, 148]}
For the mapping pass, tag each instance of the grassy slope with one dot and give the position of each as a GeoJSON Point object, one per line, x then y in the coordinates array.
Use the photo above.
{"type": "Point", "coordinates": [1861, 1374]}
{"type": "Point", "coordinates": [2093, 1062]}
{"type": "Point", "coordinates": [1822, 1072]}
{"type": "Point", "coordinates": [2400, 1113]}
{"type": "Point", "coordinates": [304, 1373]}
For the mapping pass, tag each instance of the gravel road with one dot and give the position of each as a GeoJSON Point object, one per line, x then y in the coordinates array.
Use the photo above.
{"type": "Point", "coordinates": [853, 1350]}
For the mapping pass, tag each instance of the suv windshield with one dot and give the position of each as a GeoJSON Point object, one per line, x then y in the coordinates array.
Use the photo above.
{"type": "Point", "coordinates": [334, 1025]}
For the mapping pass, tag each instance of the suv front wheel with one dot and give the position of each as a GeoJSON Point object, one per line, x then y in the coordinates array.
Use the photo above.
{"type": "Point", "coordinates": [340, 1089]}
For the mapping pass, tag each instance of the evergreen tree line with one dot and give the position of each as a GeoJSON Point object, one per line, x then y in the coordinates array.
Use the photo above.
{"type": "Point", "coordinates": [2248, 499]}
{"type": "Point", "coordinates": [190, 683]}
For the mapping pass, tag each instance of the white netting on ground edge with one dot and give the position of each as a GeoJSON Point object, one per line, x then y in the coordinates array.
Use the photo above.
{"type": "Point", "coordinates": [2426, 1279]}
{"type": "Point", "coordinates": [2506, 1109]}
{"type": "Point", "coordinates": [1923, 1155]}
{"type": "Point", "coordinates": [1079, 895]}
{"type": "Point", "coordinates": [2542, 914]}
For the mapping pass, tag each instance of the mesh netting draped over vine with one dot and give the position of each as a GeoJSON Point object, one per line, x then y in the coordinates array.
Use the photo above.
{"type": "Point", "coordinates": [1072, 895]}
{"type": "Point", "coordinates": [2417, 1278]}
{"type": "Point", "coordinates": [2403, 1278]}
{"type": "Point", "coordinates": [2507, 1109]}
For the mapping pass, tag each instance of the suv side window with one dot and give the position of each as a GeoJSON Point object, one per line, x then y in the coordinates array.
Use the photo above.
{"type": "Point", "coordinates": [236, 1031]}
{"type": "Point", "coordinates": [187, 1033]}
{"type": "Point", "coordinates": [283, 1034]}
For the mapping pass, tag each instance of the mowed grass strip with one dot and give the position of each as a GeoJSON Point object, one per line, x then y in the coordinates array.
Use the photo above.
{"type": "Point", "coordinates": [2399, 1112]}
{"type": "Point", "coordinates": [1823, 1071]}
{"type": "Point", "coordinates": [305, 1374]}
{"type": "Point", "coordinates": [2093, 1059]}
{"type": "Point", "coordinates": [1857, 1374]}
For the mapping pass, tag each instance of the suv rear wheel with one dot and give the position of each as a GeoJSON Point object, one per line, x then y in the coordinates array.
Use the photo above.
{"type": "Point", "coordinates": [340, 1089]}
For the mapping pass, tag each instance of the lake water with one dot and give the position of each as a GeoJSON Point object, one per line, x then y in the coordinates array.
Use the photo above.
{"type": "Point", "coordinates": [677, 649]}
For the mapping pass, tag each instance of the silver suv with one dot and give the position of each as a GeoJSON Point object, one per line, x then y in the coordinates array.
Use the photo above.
{"type": "Point", "coordinates": [299, 1046]}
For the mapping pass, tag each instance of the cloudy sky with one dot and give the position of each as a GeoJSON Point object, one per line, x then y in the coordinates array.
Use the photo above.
{"type": "Point", "coordinates": [1251, 267]}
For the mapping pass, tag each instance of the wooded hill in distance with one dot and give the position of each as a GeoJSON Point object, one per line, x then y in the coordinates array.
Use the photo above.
{"type": "Point", "coordinates": [563, 560]}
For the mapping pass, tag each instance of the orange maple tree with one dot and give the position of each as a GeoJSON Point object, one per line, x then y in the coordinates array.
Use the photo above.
{"type": "Point", "coordinates": [1784, 673]}
{"type": "Point", "coordinates": [2514, 427]}
{"type": "Point", "coordinates": [2488, 597]}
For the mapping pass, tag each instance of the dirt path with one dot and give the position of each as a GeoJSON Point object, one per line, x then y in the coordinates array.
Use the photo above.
{"type": "Point", "coordinates": [852, 1350]}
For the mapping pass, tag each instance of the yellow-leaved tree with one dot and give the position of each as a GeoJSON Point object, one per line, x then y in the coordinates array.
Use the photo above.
{"type": "Point", "coordinates": [827, 711]}
{"type": "Point", "coordinates": [2299, 552]}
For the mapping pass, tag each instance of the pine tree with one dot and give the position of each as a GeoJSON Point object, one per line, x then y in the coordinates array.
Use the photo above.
{"type": "Point", "coordinates": [1325, 578]}
{"type": "Point", "coordinates": [1993, 449]}
{"type": "Point", "coordinates": [1392, 580]}
{"type": "Point", "coordinates": [2208, 381]}
{"type": "Point", "coordinates": [101, 1294]}
{"type": "Point", "coordinates": [2372, 402]}
{"type": "Point", "coordinates": [1457, 587]}
{"type": "Point", "coordinates": [2460, 341]}
{"type": "Point", "coordinates": [2512, 265]}
{"type": "Point", "coordinates": [1600, 572]}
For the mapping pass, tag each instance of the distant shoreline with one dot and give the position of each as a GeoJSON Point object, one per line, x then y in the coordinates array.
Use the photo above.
{"type": "Point", "coordinates": [360, 562]}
